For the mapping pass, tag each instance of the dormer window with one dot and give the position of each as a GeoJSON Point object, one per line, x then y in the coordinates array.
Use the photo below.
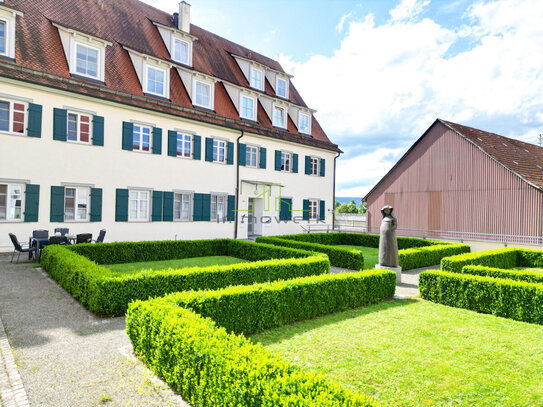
{"type": "Point", "coordinates": [155, 81]}
{"type": "Point", "coordinates": [86, 61]}
{"type": "Point", "coordinates": [8, 22]}
{"type": "Point", "coordinates": [247, 109]}
{"type": "Point", "coordinates": [181, 51]}
{"type": "Point", "coordinates": [281, 88]}
{"type": "Point", "coordinates": [202, 94]}
{"type": "Point", "coordinates": [256, 76]}
{"type": "Point", "coordinates": [279, 117]}
{"type": "Point", "coordinates": [3, 37]}
{"type": "Point", "coordinates": [304, 125]}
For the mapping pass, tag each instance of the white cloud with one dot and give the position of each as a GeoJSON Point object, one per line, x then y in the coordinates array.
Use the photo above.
{"type": "Point", "coordinates": [408, 9]}
{"type": "Point", "coordinates": [387, 83]}
{"type": "Point", "coordinates": [342, 21]}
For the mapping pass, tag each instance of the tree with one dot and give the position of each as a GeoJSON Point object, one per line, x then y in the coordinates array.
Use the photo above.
{"type": "Point", "coordinates": [363, 207]}
{"type": "Point", "coordinates": [347, 208]}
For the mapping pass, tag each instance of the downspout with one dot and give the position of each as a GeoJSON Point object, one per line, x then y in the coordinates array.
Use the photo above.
{"type": "Point", "coordinates": [334, 199]}
{"type": "Point", "coordinates": [237, 185]}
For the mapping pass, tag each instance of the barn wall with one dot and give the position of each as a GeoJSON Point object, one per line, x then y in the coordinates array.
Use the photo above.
{"type": "Point", "coordinates": [448, 184]}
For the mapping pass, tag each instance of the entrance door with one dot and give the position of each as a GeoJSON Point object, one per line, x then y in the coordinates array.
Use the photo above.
{"type": "Point", "coordinates": [251, 217]}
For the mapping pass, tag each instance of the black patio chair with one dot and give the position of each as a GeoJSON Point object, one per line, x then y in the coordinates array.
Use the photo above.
{"type": "Point", "coordinates": [62, 231]}
{"type": "Point", "coordinates": [100, 238]}
{"type": "Point", "coordinates": [58, 240]}
{"type": "Point", "coordinates": [40, 234]}
{"type": "Point", "coordinates": [83, 238]}
{"type": "Point", "coordinates": [18, 248]}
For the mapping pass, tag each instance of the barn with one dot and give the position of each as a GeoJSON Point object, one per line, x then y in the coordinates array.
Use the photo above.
{"type": "Point", "coordinates": [461, 183]}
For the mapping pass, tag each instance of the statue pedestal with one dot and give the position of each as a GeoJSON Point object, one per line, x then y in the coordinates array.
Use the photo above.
{"type": "Point", "coordinates": [397, 270]}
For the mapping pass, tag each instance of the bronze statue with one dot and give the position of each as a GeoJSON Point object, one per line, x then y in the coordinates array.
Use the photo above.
{"type": "Point", "coordinates": [388, 244]}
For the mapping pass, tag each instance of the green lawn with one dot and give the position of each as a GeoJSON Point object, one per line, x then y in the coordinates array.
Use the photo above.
{"type": "Point", "coordinates": [417, 353]}
{"type": "Point", "coordinates": [175, 264]}
{"type": "Point", "coordinates": [371, 254]}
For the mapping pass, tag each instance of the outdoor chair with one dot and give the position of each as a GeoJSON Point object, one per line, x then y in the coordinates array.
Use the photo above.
{"type": "Point", "coordinates": [62, 231]}
{"type": "Point", "coordinates": [58, 240]}
{"type": "Point", "coordinates": [40, 234]}
{"type": "Point", "coordinates": [100, 238]}
{"type": "Point", "coordinates": [18, 248]}
{"type": "Point", "coordinates": [83, 238]}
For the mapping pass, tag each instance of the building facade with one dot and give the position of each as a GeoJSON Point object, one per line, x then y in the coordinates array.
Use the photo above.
{"type": "Point", "coordinates": [118, 116]}
{"type": "Point", "coordinates": [457, 182]}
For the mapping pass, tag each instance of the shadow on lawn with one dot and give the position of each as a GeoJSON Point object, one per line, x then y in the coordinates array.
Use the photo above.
{"type": "Point", "coordinates": [288, 331]}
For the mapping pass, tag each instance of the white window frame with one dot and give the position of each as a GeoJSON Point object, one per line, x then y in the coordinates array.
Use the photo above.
{"type": "Point", "coordinates": [257, 151]}
{"type": "Point", "coordinates": [241, 110]}
{"type": "Point", "coordinates": [78, 193]}
{"type": "Point", "coordinates": [10, 116]}
{"type": "Point", "coordinates": [138, 200]}
{"type": "Point", "coordinates": [9, 192]}
{"type": "Point", "coordinates": [286, 161]}
{"type": "Point", "coordinates": [262, 79]}
{"type": "Point", "coordinates": [140, 147]}
{"type": "Point", "coordinates": [9, 18]}
{"type": "Point", "coordinates": [215, 202]}
{"type": "Point", "coordinates": [7, 36]}
{"type": "Point", "coordinates": [219, 144]}
{"type": "Point", "coordinates": [78, 127]}
{"type": "Point", "coordinates": [183, 195]}
{"type": "Point", "coordinates": [317, 166]}
{"type": "Point", "coordinates": [314, 209]}
{"type": "Point", "coordinates": [308, 123]}
{"type": "Point", "coordinates": [284, 124]}
{"type": "Point", "coordinates": [99, 65]}
{"type": "Point", "coordinates": [184, 136]}
{"type": "Point", "coordinates": [277, 79]}
{"type": "Point", "coordinates": [175, 40]}
{"type": "Point", "coordinates": [211, 87]}
{"type": "Point", "coordinates": [165, 72]}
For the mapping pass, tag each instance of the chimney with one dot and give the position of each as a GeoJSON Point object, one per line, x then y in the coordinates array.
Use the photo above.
{"type": "Point", "coordinates": [183, 22]}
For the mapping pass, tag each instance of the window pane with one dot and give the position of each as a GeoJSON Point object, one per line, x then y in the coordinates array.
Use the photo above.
{"type": "Point", "coordinates": [2, 37]}
{"type": "Point", "coordinates": [256, 79]}
{"type": "Point", "coordinates": [247, 108]}
{"type": "Point", "coordinates": [3, 201]}
{"type": "Point", "coordinates": [186, 207]}
{"type": "Point", "coordinates": [4, 116]}
{"type": "Point", "coordinates": [278, 117]}
{"type": "Point", "coordinates": [304, 123]}
{"type": "Point", "coordinates": [181, 53]}
{"type": "Point", "coordinates": [86, 61]}
{"type": "Point", "coordinates": [177, 206]}
{"type": "Point", "coordinates": [69, 204]}
{"type": "Point", "coordinates": [202, 94]}
{"type": "Point", "coordinates": [281, 88]}
{"type": "Point", "coordinates": [213, 208]}
{"type": "Point", "coordinates": [155, 81]}
{"type": "Point", "coordinates": [82, 200]}
{"type": "Point", "coordinates": [72, 127]}
{"type": "Point", "coordinates": [15, 202]}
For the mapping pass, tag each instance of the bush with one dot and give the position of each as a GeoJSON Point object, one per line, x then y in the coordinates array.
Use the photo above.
{"type": "Point", "coordinates": [517, 275]}
{"type": "Point", "coordinates": [106, 292]}
{"type": "Point", "coordinates": [413, 253]}
{"type": "Point", "coordinates": [254, 308]}
{"type": "Point", "coordinates": [211, 367]}
{"type": "Point", "coordinates": [502, 258]}
{"type": "Point", "coordinates": [517, 300]}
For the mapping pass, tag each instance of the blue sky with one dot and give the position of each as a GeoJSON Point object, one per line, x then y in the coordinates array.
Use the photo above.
{"type": "Point", "coordinates": [380, 72]}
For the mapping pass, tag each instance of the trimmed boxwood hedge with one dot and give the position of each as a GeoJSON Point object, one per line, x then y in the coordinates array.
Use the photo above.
{"type": "Point", "coordinates": [518, 275]}
{"type": "Point", "coordinates": [211, 367]}
{"type": "Point", "coordinates": [502, 258]}
{"type": "Point", "coordinates": [507, 298]}
{"type": "Point", "coordinates": [413, 252]}
{"type": "Point", "coordinates": [106, 292]}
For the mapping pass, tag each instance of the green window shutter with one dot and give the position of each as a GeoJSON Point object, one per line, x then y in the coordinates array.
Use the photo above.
{"type": "Point", "coordinates": [231, 214]}
{"type": "Point", "coordinates": [277, 160]}
{"type": "Point", "coordinates": [156, 208]}
{"type": "Point", "coordinates": [157, 140]}
{"type": "Point", "coordinates": [206, 207]}
{"type": "Point", "coordinates": [60, 124]}
{"type": "Point", "coordinates": [167, 213]}
{"type": "Point", "coordinates": [306, 209]}
{"type": "Point", "coordinates": [32, 202]}
{"type": "Point", "coordinates": [323, 167]}
{"type": "Point", "coordinates": [295, 163]}
{"type": "Point", "coordinates": [285, 213]}
{"type": "Point", "coordinates": [322, 210]}
{"type": "Point", "coordinates": [172, 143]}
{"type": "Point", "coordinates": [128, 136]}
{"type": "Point", "coordinates": [230, 153]}
{"type": "Point", "coordinates": [197, 147]}
{"type": "Point", "coordinates": [34, 120]}
{"type": "Point", "coordinates": [242, 152]}
{"type": "Point", "coordinates": [98, 130]}
{"type": "Point", "coordinates": [209, 149]}
{"type": "Point", "coordinates": [307, 165]}
{"type": "Point", "coordinates": [197, 210]}
{"type": "Point", "coordinates": [96, 205]}
{"type": "Point", "coordinates": [262, 157]}
{"type": "Point", "coordinates": [121, 205]}
{"type": "Point", "coordinates": [57, 204]}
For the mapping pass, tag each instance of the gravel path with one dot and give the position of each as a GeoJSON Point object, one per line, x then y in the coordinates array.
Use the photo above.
{"type": "Point", "coordinates": [66, 356]}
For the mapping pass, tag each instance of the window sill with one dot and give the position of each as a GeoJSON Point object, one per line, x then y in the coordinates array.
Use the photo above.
{"type": "Point", "coordinates": [159, 97]}
{"type": "Point", "coordinates": [12, 221]}
{"type": "Point", "coordinates": [11, 133]}
{"type": "Point", "coordinates": [204, 109]}
{"type": "Point", "coordinates": [4, 57]}
{"type": "Point", "coordinates": [89, 79]}
{"type": "Point", "coordinates": [83, 143]}
{"type": "Point", "coordinates": [182, 221]}
{"type": "Point", "coordinates": [139, 221]}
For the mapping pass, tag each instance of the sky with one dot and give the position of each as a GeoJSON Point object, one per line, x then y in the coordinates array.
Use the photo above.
{"type": "Point", "coordinates": [379, 72]}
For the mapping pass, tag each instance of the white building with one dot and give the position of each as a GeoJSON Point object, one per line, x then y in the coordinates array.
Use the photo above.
{"type": "Point", "coordinates": [119, 116]}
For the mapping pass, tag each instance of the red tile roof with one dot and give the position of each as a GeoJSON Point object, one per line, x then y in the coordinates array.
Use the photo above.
{"type": "Point", "coordinates": [524, 159]}
{"type": "Point", "coordinates": [130, 23]}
